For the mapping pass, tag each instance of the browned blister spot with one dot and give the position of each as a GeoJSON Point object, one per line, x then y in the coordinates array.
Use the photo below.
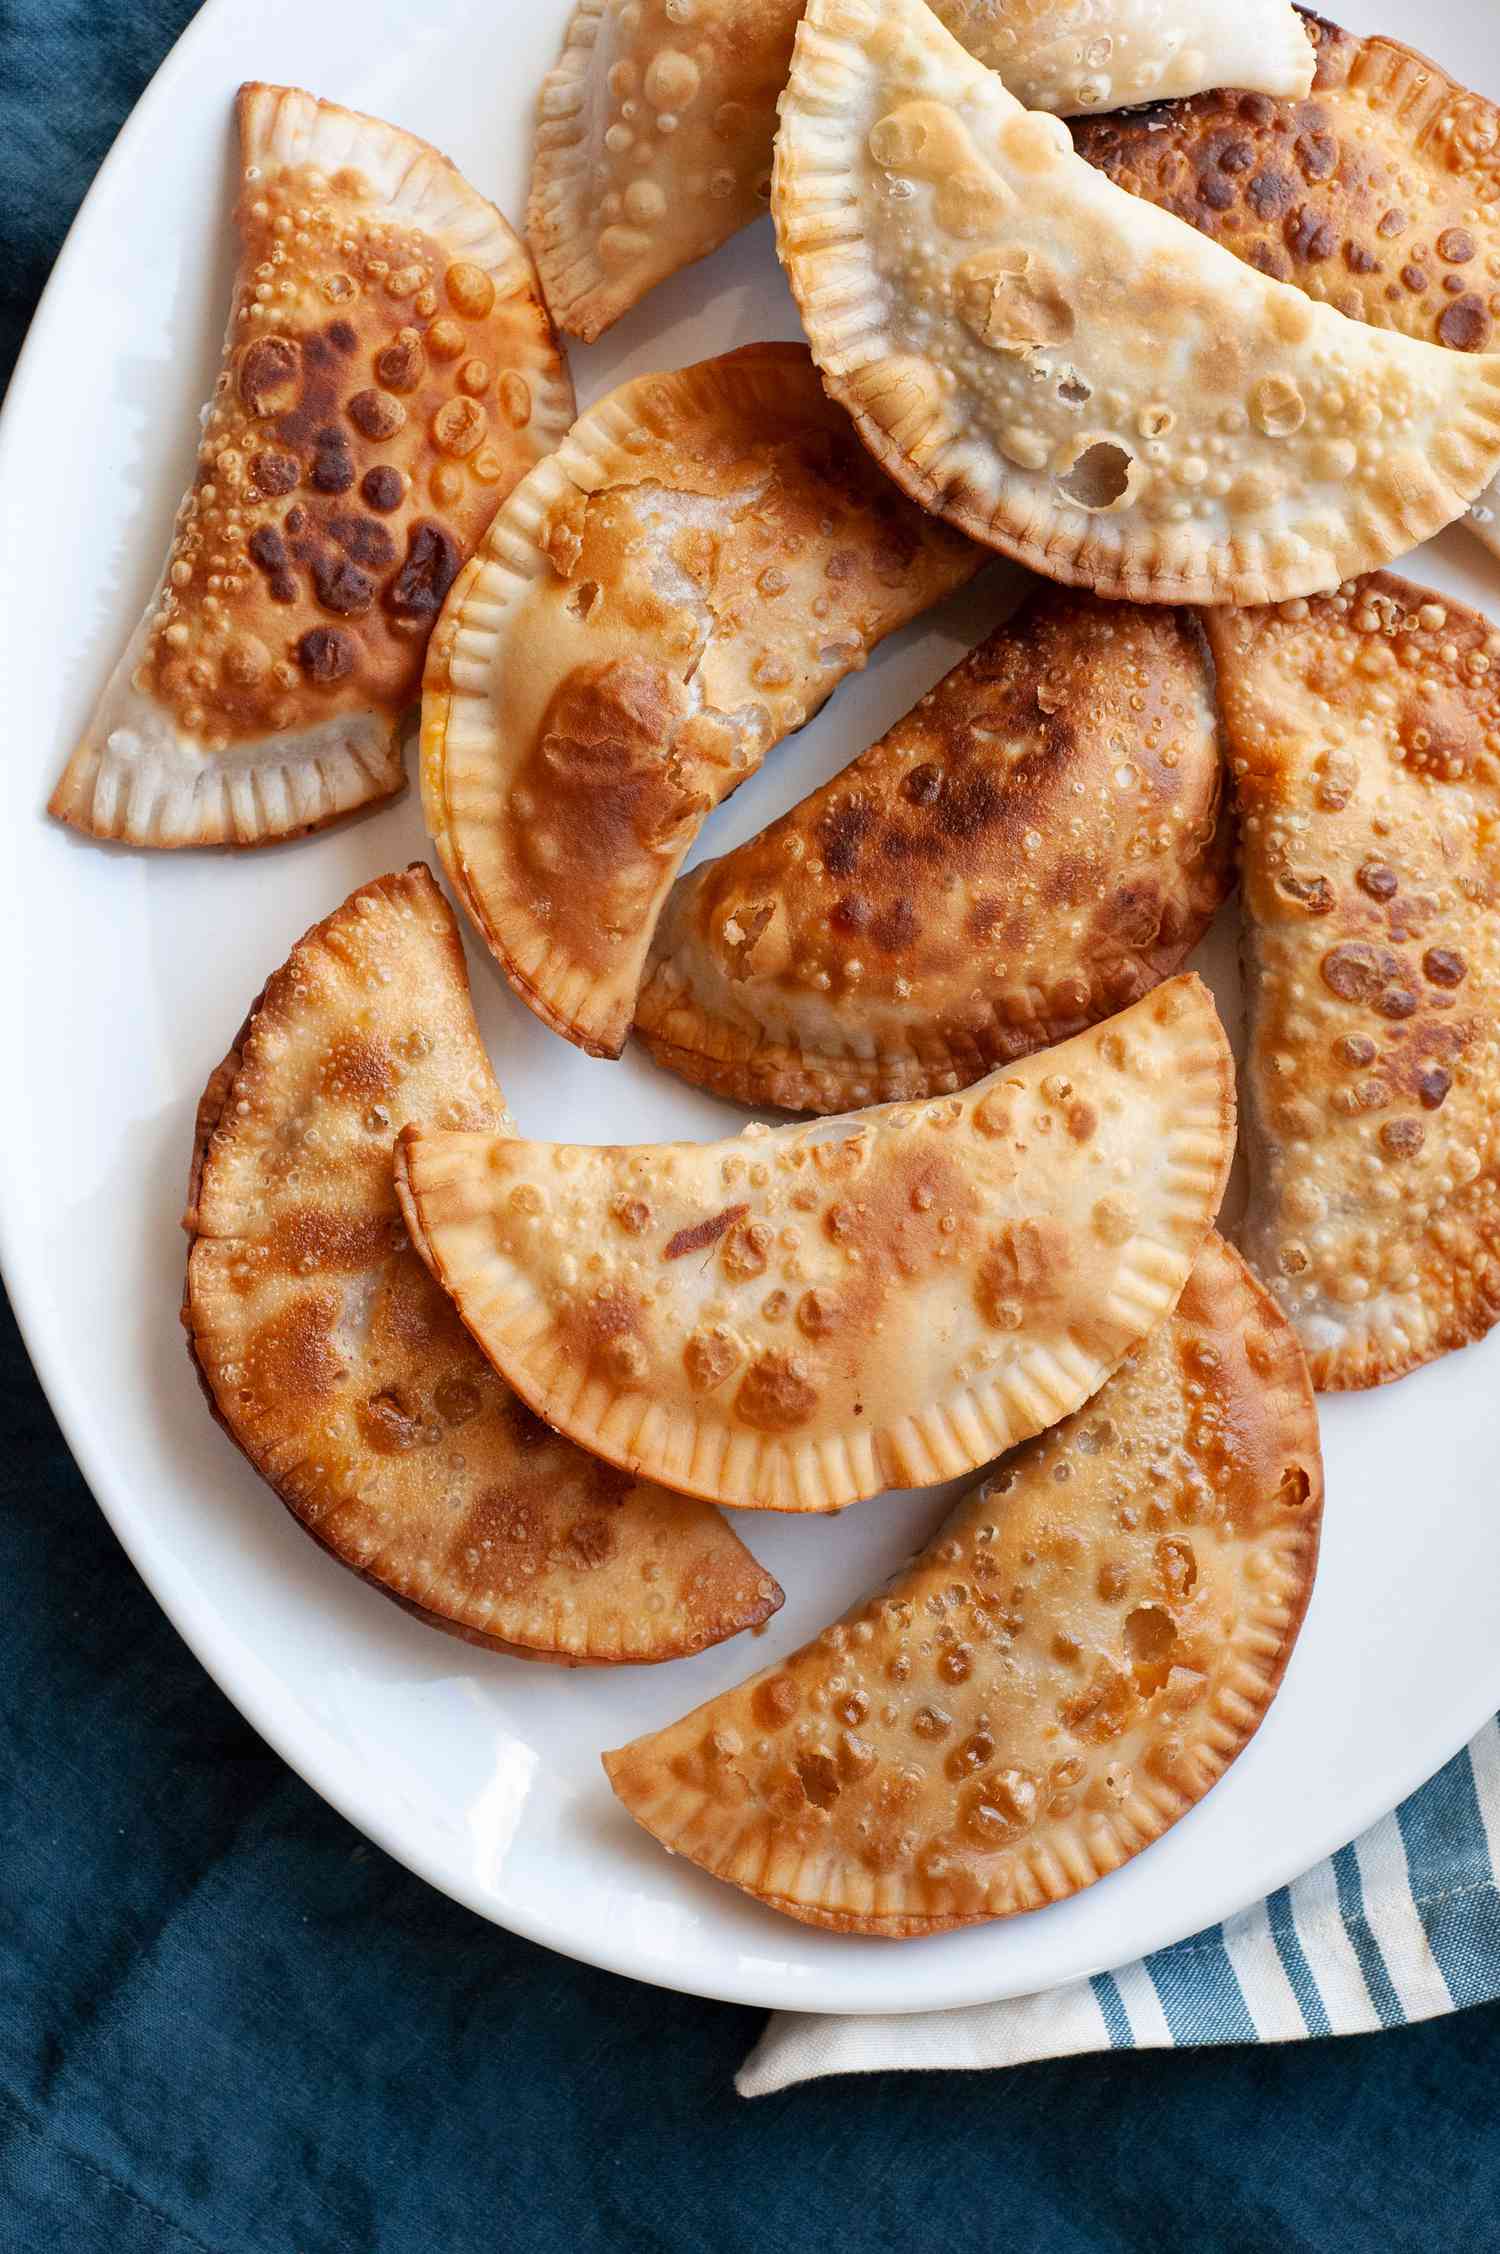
{"type": "Point", "coordinates": [780, 1391]}
{"type": "Point", "coordinates": [604, 805]}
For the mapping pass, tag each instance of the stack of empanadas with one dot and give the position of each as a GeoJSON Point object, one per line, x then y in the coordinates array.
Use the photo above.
{"type": "Point", "coordinates": [1207, 367]}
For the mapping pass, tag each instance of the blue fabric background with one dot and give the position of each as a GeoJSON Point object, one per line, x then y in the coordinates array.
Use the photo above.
{"type": "Point", "coordinates": [228, 2025]}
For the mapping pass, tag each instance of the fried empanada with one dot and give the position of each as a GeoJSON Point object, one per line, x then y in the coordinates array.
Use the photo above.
{"type": "Point", "coordinates": [389, 372]}
{"type": "Point", "coordinates": [799, 1316]}
{"type": "Point", "coordinates": [1079, 1655]}
{"type": "Point", "coordinates": [1036, 844]}
{"type": "Point", "coordinates": [682, 584]}
{"type": "Point", "coordinates": [1377, 194]}
{"type": "Point", "coordinates": [1364, 733]}
{"type": "Point", "coordinates": [655, 127]}
{"type": "Point", "coordinates": [1076, 377]}
{"type": "Point", "coordinates": [342, 1372]}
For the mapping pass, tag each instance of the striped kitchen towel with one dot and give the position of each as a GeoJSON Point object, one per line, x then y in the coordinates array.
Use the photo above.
{"type": "Point", "coordinates": [1402, 1925]}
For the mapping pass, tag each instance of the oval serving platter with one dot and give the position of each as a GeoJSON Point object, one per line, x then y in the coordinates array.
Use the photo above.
{"type": "Point", "coordinates": [135, 970]}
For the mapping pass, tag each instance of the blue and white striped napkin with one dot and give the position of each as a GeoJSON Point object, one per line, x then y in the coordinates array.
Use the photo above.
{"type": "Point", "coordinates": [1402, 1925]}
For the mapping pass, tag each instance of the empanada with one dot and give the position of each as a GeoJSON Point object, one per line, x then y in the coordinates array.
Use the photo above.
{"type": "Point", "coordinates": [388, 373]}
{"type": "Point", "coordinates": [1377, 194]}
{"type": "Point", "coordinates": [654, 131]}
{"type": "Point", "coordinates": [1076, 377]}
{"type": "Point", "coordinates": [1085, 1647]}
{"type": "Point", "coordinates": [677, 588]}
{"type": "Point", "coordinates": [1035, 845]}
{"type": "Point", "coordinates": [799, 1316]}
{"type": "Point", "coordinates": [336, 1364]}
{"type": "Point", "coordinates": [1364, 733]}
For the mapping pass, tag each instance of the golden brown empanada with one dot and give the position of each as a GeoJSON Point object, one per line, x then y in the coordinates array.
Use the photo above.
{"type": "Point", "coordinates": [1079, 378]}
{"type": "Point", "coordinates": [1035, 845]}
{"type": "Point", "coordinates": [336, 1364]}
{"type": "Point", "coordinates": [1082, 1651]}
{"type": "Point", "coordinates": [388, 373]}
{"type": "Point", "coordinates": [1377, 194]}
{"type": "Point", "coordinates": [654, 130]}
{"type": "Point", "coordinates": [799, 1316]}
{"type": "Point", "coordinates": [1364, 732]}
{"type": "Point", "coordinates": [677, 588]}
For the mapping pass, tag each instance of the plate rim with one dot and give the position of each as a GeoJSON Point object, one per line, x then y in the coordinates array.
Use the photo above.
{"type": "Point", "coordinates": [62, 1382]}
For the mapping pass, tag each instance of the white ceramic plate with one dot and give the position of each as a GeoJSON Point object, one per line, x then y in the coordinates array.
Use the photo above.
{"type": "Point", "coordinates": [130, 972]}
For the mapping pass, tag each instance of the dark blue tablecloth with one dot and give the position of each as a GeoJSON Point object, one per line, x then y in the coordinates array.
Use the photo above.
{"type": "Point", "coordinates": [228, 2025]}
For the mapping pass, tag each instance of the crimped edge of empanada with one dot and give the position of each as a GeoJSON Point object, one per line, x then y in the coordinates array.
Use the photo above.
{"type": "Point", "coordinates": [578, 292]}
{"type": "Point", "coordinates": [1377, 1346]}
{"type": "Point", "coordinates": [269, 788]}
{"type": "Point", "coordinates": [581, 297]}
{"type": "Point", "coordinates": [687, 1821]}
{"type": "Point", "coordinates": [1378, 1350]}
{"type": "Point", "coordinates": [740, 1064]}
{"type": "Point", "coordinates": [510, 1317]}
{"type": "Point", "coordinates": [817, 208]}
{"type": "Point", "coordinates": [558, 1633]}
{"type": "Point", "coordinates": [465, 769]}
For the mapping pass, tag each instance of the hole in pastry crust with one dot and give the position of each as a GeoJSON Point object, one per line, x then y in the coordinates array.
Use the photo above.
{"type": "Point", "coordinates": [820, 1778]}
{"type": "Point", "coordinates": [1295, 1487]}
{"type": "Point", "coordinates": [1100, 479]}
{"type": "Point", "coordinates": [1150, 1640]}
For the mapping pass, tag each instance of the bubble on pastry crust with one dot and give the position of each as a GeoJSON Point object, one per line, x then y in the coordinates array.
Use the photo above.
{"type": "Point", "coordinates": [711, 1358]}
{"type": "Point", "coordinates": [779, 1392]}
{"type": "Point", "coordinates": [376, 414]}
{"type": "Point", "coordinates": [445, 338]}
{"type": "Point", "coordinates": [458, 426]}
{"type": "Point", "coordinates": [469, 290]}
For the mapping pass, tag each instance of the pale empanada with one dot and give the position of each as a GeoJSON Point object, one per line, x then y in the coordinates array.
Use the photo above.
{"type": "Point", "coordinates": [654, 132]}
{"type": "Point", "coordinates": [802, 1315]}
{"type": "Point", "coordinates": [1035, 845]}
{"type": "Point", "coordinates": [1085, 1647]}
{"type": "Point", "coordinates": [1377, 194]}
{"type": "Point", "coordinates": [1075, 376]}
{"type": "Point", "coordinates": [388, 373]}
{"type": "Point", "coordinates": [1364, 733]}
{"type": "Point", "coordinates": [336, 1364]}
{"type": "Point", "coordinates": [697, 567]}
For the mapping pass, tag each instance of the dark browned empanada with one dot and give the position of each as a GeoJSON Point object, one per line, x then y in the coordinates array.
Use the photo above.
{"type": "Point", "coordinates": [1379, 193]}
{"type": "Point", "coordinates": [389, 372]}
{"type": "Point", "coordinates": [1364, 735]}
{"type": "Point", "coordinates": [1031, 848]}
{"type": "Point", "coordinates": [677, 588]}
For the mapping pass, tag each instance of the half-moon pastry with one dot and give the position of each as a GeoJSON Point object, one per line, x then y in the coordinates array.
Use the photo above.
{"type": "Point", "coordinates": [654, 129]}
{"type": "Point", "coordinates": [338, 1367]}
{"type": "Point", "coordinates": [800, 1316]}
{"type": "Point", "coordinates": [1364, 736]}
{"type": "Point", "coordinates": [1079, 1655]}
{"type": "Point", "coordinates": [1377, 193]}
{"type": "Point", "coordinates": [388, 373]}
{"type": "Point", "coordinates": [1076, 377]}
{"type": "Point", "coordinates": [1036, 844]}
{"type": "Point", "coordinates": [678, 587]}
